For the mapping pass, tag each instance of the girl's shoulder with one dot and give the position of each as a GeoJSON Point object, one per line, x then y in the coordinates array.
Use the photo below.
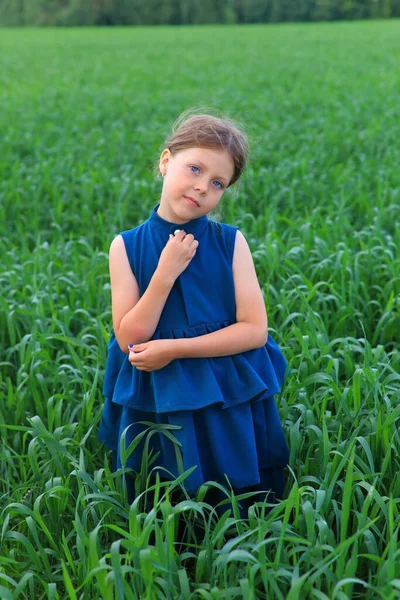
{"type": "Point", "coordinates": [224, 235]}
{"type": "Point", "coordinates": [133, 240]}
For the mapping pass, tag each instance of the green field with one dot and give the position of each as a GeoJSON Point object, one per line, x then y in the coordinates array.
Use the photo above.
{"type": "Point", "coordinates": [83, 114]}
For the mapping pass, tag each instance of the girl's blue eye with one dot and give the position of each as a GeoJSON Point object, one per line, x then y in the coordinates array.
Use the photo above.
{"type": "Point", "coordinates": [215, 180]}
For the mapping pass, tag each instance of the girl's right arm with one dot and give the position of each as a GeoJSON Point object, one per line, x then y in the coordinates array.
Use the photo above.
{"type": "Point", "coordinates": [136, 318]}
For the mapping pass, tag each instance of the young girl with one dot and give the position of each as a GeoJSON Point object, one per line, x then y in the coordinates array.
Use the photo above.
{"type": "Point", "coordinates": [190, 345]}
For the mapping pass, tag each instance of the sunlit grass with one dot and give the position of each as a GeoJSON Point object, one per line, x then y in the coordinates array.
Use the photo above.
{"type": "Point", "coordinates": [83, 114]}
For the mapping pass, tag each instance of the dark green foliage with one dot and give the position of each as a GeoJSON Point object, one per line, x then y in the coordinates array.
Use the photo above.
{"type": "Point", "coordinates": [188, 12]}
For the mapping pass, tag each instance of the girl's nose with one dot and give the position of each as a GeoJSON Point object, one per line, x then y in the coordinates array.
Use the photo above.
{"type": "Point", "coordinates": [200, 186]}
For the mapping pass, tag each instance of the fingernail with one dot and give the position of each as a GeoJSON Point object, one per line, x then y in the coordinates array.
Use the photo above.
{"type": "Point", "coordinates": [130, 345]}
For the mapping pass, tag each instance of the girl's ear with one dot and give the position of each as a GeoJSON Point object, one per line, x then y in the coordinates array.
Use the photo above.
{"type": "Point", "coordinates": [164, 158]}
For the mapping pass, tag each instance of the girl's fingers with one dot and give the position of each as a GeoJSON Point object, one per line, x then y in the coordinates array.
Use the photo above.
{"type": "Point", "coordinates": [137, 362]}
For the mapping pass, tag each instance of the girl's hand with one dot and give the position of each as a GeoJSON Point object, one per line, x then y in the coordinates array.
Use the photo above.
{"type": "Point", "coordinates": [152, 355]}
{"type": "Point", "coordinates": [177, 254]}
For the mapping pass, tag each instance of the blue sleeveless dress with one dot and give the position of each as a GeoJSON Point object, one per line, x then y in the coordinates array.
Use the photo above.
{"type": "Point", "coordinates": [224, 406]}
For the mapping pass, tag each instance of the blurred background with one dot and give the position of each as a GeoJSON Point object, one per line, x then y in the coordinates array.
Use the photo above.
{"type": "Point", "coordinates": [185, 12]}
{"type": "Point", "coordinates": [84, 112]}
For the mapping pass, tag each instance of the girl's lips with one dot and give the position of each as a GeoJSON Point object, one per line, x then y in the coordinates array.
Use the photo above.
{"type": "Point", "coordinates": [191, 201]}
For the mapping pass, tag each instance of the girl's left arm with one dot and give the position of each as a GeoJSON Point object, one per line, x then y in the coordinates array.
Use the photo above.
{"type": "Point", "coordinates": [251, 329]}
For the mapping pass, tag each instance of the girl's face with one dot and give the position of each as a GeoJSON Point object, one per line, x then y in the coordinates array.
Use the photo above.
{"type": "Point", "coordinates": [202, 174]}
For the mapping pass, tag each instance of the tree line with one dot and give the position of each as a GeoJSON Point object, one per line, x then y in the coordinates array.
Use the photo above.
{"type": "Point", "coordinates": [187, 12]}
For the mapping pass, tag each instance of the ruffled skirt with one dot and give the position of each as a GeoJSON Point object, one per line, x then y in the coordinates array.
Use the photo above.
{"type": "Point", "coordinates": [228, 428]}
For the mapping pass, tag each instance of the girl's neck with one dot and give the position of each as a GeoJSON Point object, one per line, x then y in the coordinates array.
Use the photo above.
{"type": "Point", "coordinates": [165, 212]}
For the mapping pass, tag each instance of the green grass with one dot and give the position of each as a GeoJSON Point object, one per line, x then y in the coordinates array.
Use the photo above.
{"type": "Point", "coordinates": [83, 114]}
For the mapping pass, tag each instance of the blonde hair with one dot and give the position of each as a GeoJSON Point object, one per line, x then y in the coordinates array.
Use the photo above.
{"type": "Point", "coordinates": [192, 130]}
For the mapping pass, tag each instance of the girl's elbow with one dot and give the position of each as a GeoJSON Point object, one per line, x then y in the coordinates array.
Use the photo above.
{"type": "Point", "coordinates": [264, 337]}
{"type": "Point", "coordinates": [122, 343]}
{"type": "Point", "coordinates": [124, 339]}
{"type": "Point", "coordinates": [259, 335]}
